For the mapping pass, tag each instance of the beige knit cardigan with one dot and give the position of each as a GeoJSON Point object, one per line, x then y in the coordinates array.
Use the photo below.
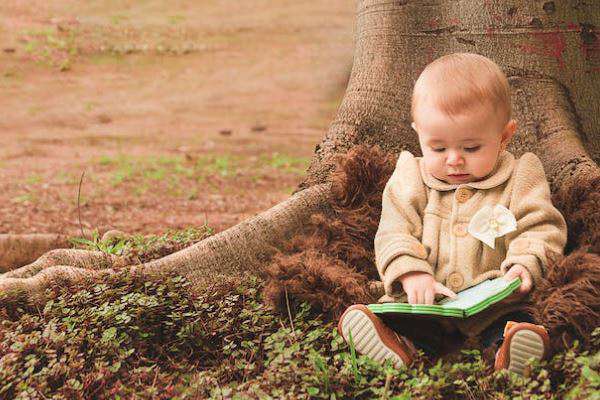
{"type": "Point", "coordinates": [423, 227]}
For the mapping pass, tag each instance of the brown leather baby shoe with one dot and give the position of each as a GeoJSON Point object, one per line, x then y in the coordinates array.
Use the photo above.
{"type": "Point", "coordinates": [373, 338]}
{"type": "Point", "coordinates": [522, 341]}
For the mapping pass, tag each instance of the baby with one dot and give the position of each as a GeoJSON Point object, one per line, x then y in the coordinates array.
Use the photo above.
{"type": "Point", "coordinates": [426, 244]}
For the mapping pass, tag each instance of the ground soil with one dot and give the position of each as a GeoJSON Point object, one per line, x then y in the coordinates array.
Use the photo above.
{"type": "Point", "coordinates": [179, 113]}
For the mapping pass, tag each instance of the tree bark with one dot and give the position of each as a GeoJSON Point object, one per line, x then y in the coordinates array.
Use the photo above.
{"type": "Point", "coordinates": [530, 40]}
{"type": "Point", "coordinates": [550, 120]}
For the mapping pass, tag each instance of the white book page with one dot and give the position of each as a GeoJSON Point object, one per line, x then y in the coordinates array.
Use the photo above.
{"type": "Point", "coordinates": [475, 294]}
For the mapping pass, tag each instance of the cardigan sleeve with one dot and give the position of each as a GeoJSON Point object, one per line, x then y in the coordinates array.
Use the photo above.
{"type": "Point", "coordinates": [398, 247]}
{"type": "Point", "coordinates": [540, 226]}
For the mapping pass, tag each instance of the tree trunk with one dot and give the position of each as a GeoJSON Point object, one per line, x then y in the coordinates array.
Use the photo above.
{"type": "Point", "coordinates": [549, 50]}
{"type": "Point", "coordinates": [536, 43]}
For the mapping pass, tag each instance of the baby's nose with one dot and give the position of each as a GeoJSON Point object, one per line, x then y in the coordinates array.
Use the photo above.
{"type": "Point", "coordinates": [454, 158]}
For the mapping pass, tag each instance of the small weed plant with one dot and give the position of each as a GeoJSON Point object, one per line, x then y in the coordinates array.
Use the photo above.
{"type": "Point", "coordinates": [142, 248]}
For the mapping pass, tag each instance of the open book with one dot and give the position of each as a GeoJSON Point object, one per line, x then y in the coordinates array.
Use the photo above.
{"type": "Point", "coordinates": [468, 302]}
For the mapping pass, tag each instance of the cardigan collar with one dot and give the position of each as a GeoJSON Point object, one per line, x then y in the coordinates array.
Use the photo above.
{"type": "Point", "coordinates": [500, 174]}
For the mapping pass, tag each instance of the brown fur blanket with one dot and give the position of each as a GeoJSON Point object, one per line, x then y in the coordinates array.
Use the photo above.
{"type": "Point", "coordinates": [330, 264]}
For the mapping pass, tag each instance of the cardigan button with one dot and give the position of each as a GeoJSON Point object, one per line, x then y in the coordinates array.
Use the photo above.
{"type": "Point", "coordinates": [460, 230]}
{"type": "Point", "coordinates": [455, 281]}
{"type": "Point", "coordinates": [420, 251]}
{"type": "Point", "coordinates": [463, 194]}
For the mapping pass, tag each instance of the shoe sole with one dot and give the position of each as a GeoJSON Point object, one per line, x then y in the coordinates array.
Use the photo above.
{"type": "Point", "coordinates": [366, 338]}
{"type": "Point", "coordinates": [524, 345]}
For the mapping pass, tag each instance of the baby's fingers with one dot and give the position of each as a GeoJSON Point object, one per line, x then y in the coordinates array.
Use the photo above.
{"type": "Point", "coordinates": [420, 297]}
{"type": "Point", "coordinates": [511, 274]}
{"type": "Point", "coordinates": [526, 284]}
{"type": "Point", "coordinates": [439, 288]}
{"type": "Point", "coordinates": [429, 296]}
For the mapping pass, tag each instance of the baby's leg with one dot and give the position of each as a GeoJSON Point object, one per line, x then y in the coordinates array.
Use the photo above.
{"type": "Point", "coordinates": [426, 333]}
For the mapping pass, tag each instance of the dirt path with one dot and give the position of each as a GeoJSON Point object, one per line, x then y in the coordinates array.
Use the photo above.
{"type": "Point", "coordinates": [177, 115]}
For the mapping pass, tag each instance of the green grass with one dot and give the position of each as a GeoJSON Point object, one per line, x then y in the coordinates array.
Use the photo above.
{"type": "Point", "coordinates": [12, 74]}
{"type": "Point", "coordinates": [34, 110]}
{"type": "Point", "coordinates": [143, 172]}
{"type": "Point", "coordinates": [106, 58]}
{"type": "Point", "coordinates": [176, 19]}
{"type": "Point", "coordinates": [108, 160]}
{"type": "Point", "coordinates": [51, 46]}
{"type": "Point", "coordinates": [117, 19]}
{"type": "Point", "coordinates": [224, 165]}
{"type": "Point", "coordinates": [67, 177]}
{"type": "Point", "coordinates": [147, 169]}
{"type": "Point", "coordinates": [24, 198]}
{"type": "Point", "coordinates": [60, 48]}
{"type": "Point", "coordinates": [89, 106]}
{"type": "Point", "coordinates": [285, 162]}
{"type": "Point", "coordinates": [33, 179]}
{"type": "Point", "coordinates": [10, 79]}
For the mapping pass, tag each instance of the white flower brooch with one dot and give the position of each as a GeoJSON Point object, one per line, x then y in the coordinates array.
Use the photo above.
{"type": "Point", "coordinates": [489, 223]}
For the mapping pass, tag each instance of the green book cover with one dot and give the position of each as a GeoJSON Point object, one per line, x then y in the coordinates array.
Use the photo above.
{"type": "Point", "coordinates": [467, 302]}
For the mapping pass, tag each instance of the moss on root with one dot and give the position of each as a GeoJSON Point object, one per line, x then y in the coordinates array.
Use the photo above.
{"type": "Point", "coordinates": [138, 249]}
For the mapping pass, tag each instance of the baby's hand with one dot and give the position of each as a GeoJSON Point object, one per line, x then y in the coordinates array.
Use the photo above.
{"type": "Point", "coordinates": [520, 271]}
{"type": "Point", "coordinates": [421, 287]}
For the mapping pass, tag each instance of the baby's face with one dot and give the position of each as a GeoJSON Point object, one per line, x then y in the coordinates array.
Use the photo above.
{"type": "Point", "coordinates": [462, 150]}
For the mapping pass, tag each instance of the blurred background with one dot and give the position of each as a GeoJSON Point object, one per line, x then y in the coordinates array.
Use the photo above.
{"type": "Point", "coordinates": [179, 113]}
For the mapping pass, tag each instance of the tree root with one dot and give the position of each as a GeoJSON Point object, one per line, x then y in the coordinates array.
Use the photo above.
{"type": "Point", "coordinates": [242, 248]}
{"type": "Point", "coordinates": [18, 250]}
{"type": "Point", "coordinates": [83, 259]}
{"type": "Point", "coordinates": [32, 290]}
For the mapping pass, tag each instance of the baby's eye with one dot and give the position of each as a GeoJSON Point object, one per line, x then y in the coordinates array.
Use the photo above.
{"type": "Point", "coordinates": [472, 149]}
{"type": "Point", "coordinates": [439, 150]}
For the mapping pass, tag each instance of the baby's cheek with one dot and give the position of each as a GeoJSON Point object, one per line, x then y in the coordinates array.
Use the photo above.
{"type": "Point", "coordinates": [431, 164]}
{"type": "Point", "coordinates": [485, 164]}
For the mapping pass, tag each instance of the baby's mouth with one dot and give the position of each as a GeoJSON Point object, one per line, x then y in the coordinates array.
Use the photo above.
{"type": "Point", "coordinates": [458, 175]}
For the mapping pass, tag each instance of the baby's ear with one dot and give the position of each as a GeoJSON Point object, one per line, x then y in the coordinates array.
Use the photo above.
{"type": "Point", "coordinates": [512, 125]}
{"type": "Point", "coordinates": [509, 131]}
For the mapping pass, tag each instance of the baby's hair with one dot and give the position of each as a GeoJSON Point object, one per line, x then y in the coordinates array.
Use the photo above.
{"type": "Point", "coordinates": [461, 81]}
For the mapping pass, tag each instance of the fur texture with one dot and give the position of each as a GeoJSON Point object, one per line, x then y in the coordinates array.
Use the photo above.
{"type": "Point", "coordinates": [335, 250]}
{"type": "Point", "coordinates": [331, 263]}
{"type": "Point", "coordinates": [580, 205]}
{"type": "Point", "coordinates": [567, 300]}
{"type": "Point", "coordinates": [312, 276]}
